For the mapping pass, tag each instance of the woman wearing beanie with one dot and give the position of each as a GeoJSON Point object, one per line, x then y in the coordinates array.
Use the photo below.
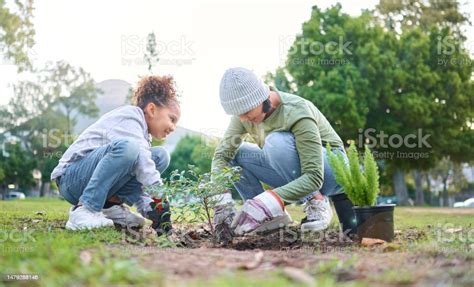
{"type": "Point", "coordinates": [289, 156]}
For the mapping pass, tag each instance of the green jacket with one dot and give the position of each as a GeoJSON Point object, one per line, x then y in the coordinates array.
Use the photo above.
{"type": "Point", "coordinates": [311, 130]}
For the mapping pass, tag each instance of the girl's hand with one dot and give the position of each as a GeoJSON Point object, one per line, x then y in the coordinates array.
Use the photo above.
{"type": "Point", "coordinates": [160, 215]}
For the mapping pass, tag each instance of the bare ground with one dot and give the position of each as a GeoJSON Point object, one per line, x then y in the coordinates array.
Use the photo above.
{"type": "Point", "coordinates": [303, 260]}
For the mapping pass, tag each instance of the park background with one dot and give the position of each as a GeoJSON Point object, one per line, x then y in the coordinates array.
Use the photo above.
{"type": "Point", "coordinates": [386, 73]}
{"type": "Point", "coordinates": [396, 75]}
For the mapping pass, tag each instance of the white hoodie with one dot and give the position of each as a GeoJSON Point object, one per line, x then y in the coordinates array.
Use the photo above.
{"type": "Point", "coordinates": [127, 122]}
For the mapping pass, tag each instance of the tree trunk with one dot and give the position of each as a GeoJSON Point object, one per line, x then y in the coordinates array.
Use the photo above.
{"type": "Point", "coordinates": [68, 124]}
{"type": "Point", "coordinates": [47, 189]}
{"type": "Point", "coordinates": [42, 189]}
{"type": "Point", "coordinates": [428, 187]}
{"type": "Point", "coordinates": [420, 197]}
{"type": "Point", "coordinates": [445, 192]}
{"type": "Point", "coordinates": [400, 187]}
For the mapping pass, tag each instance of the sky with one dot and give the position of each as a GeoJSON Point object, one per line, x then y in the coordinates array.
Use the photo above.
{"type": "Point", "coordinates": [197, 41]}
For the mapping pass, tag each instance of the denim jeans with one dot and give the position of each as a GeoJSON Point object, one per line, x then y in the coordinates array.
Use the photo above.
{"type": "Point", "coordinates": [277, 164]}
{"type": "Point", "coordinates": [105, 172]}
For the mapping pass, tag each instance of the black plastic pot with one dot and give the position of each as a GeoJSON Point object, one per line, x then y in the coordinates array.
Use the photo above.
{"type": "Point", "coordinates": [375, 221]}
{"type": "Point", "coordinates": [345, 213]}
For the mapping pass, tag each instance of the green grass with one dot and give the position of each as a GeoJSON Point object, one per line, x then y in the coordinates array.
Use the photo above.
{"type": "Point", "coordinates": [33, 241]}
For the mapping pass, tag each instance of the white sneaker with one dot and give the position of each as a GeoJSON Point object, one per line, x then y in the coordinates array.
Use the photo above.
{"type": "Point", "coordinates": [275, 223]}
{"type": "Point", "coordinates": [83, 218]}
{"type": "Point", "coordinates": [318, 215]}
{"type": "Point", "coordinates": [122, 215]}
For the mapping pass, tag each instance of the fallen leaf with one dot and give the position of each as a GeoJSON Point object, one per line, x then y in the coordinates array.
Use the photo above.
{"type": "Point", "coordinates": [40, 213]}
{"type": "Point", "coordinates": [368, 242]}
{"type": "Point", "coordinates": [258, 259]}
{"type": "Point", "coordinates": [85, 257]}
{"type": "Point", "coordinates": [193, 235]}
{"type": "Point", "coordinates": [298, 275]}
{"type": "Point", "coordinates": [453, 230]}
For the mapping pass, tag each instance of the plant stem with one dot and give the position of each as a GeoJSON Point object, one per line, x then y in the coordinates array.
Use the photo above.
{"type": "Point", "coordinates": [209, 219]}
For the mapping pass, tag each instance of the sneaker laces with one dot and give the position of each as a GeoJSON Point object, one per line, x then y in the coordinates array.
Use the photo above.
{"type": "Point", "coordinates": [315, 209]}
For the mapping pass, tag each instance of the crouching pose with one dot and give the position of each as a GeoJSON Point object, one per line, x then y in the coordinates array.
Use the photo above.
{"type": "Point", "coordinates": [288, 154]}
{"type": "Point", "coordinates": [112, 162]}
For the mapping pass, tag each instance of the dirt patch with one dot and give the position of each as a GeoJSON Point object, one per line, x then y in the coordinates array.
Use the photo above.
{"type": "Point", "coordinates": [374, 266]}
{"type": "Point", "coordinates": [287, 250]}
{"type": "Point", "coordinates": [288, 238]}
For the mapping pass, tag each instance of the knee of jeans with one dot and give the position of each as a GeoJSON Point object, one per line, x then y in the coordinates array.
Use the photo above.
{"type": "Point", "coordinates": [276, 146]}
{"type": "Point", "coordinates": [128, 149]}
{"type": "Point", "coordinates": [245, 153]}
{"type": "Point", "coordinates": [161, 157]}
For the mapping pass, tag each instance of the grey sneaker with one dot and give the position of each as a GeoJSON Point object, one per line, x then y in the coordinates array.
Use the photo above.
{"type": "Point", "coordinates": [318, 215]}
{"type": "Point", "coordinates": [123, 216]}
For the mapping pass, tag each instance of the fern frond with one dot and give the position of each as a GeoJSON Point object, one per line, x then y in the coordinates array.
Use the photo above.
{"type": "Point", "coordinates": [372, 176]}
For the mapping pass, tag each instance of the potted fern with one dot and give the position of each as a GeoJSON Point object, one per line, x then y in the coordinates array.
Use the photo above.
{"type": "Point", "coordinates": [360, 181]}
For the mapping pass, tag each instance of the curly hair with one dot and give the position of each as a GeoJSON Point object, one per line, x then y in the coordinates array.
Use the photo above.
{"type": "Point", "coordinates": [159, 90]}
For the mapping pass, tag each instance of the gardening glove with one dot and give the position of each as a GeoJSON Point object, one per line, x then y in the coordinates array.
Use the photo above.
{"type": "Point", "coordinates": [160, 215]}
{"type": "Point", "coordinates": [224, 212]}
{"type": "Point", "coordinates": [262, 208]}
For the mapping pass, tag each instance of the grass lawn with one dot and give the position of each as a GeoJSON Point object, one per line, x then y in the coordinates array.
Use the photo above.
{"type": "Point", "coordinates": [433, 246]}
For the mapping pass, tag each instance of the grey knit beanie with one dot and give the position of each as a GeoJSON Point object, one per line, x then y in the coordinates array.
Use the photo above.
{"type": "Point", "coordinates": [241, 90]}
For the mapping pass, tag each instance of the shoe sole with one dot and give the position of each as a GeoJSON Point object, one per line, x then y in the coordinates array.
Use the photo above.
{"type": "Point", "coordinates": [134, 222]}
{"type": "Point", "coordinates": [314, 226]}
{"type": "Point", "coordinates": [130, 223]}
{"type": "Point", "coordinates": [72, 226]}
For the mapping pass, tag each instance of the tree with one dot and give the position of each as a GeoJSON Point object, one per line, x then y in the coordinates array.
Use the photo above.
{"type": "Point", "coordinates": [17, 32]}
{"type": "Point", "coordinates": [190, 150]}
{"type": "Point", "coordinates": [42, 113]}
{"type": "Point", "coordinates": [72, 90]}
{"type": "Point", "coordinates": [18, 165]}
{"type": "Point", "coordinates": [443, 74]}
{"type": "Point", "coordinates": [27, 103]}
{"type": "Point", "coordinates": [48, 143]}
{"type": "Point", "coordinates": [151, 55]}
{"type": "Point", "coordinates": [59, 88]}
{"type": "Point", "coordinates": [451, 176]}
{"type": "Point", "coordinates": [345, 82]}
{"type": "Point", "coordinates": [400, 15]}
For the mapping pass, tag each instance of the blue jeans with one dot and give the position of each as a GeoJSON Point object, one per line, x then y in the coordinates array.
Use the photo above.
{"type": "Point", "coordinates": [276, 164]}
{"type": "Point", "coordinates": [105, 172]}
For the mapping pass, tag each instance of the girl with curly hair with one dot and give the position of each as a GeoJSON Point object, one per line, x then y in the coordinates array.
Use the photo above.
{"type": "Point", "coordinates": [112, 162]}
